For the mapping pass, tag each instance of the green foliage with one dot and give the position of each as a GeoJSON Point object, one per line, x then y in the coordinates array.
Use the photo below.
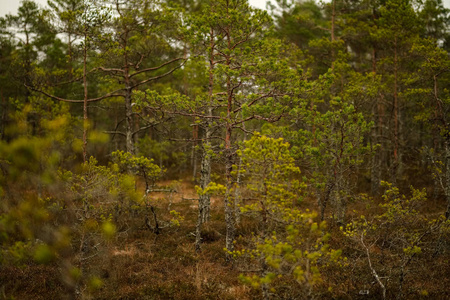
{"type": "Point", "coordinates": [95, 283]}
{"type": "Point", "coordinates": [399, 231]}
{"type": "Point", "coordinates": [176, 219]}
{"type": "Point", "coordinates": [400, 214]}
{"type": "Point", "coordinates": [94, 181]}
{"type": "Point", "coordinates": [341, 90]}
{"type": "Point", "coordinates": [18, 254]}
{"type": "Point", "coordinates": [140, 166]}
{"type": "Point", "coordinates": [211, 189]}
{"type": "Point", "coordinates": [109, 229]}
{"type": "Point", "coordinates": [270, 176]}
{"type": "Point", "coordinates": [300, 22]}
{"type": "Point", "coordinates": [166, 153]}
{"type": "Point", "coordinates": [43, 254]}
{"type": "Point", "coordinates": [298, 252]}
{"type": "Point", "coordinates": [333, 143]}
{"type": "Point", "coordinates": [290, 243]}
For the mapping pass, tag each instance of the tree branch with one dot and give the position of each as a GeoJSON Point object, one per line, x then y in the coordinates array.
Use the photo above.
{"type": "Point", "coordinates": [158, 67]}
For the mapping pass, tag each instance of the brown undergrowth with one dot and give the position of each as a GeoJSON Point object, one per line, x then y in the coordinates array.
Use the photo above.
{"type": "Point", "coordinates": [139, 264]}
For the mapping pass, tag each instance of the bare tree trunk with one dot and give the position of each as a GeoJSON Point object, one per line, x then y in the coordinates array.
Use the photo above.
{"type": "Point", "coordinates": [375, 173]}
{"type": "Point", "coordinates": [395, 165]}
{"type": "Point", "coordinates": [194, 152]}
{"type": "Point", "coordinates": [128, 122]}
{"type": "Point", "coordinates": [372, 269]}
{"type": "Point", "coordinates": [85, 103]}
{"type": "Point", "coordinates": [237, 193]}
{"type": "Point", "coordinates": [378, 154]}
{"type": "Point", "coordinates": [198, 227]}
{"type": "Point", "coordinates": [340, 201]}
{"type": "Point", "coordinates": [377, 157]}
{"type": "Point", "coordinates": [3, 115]}
{"type": "Point", "coordinates": [204, 201]}
{"type": "Point", "coordinates": [136, 134]}
{"type": "Point", "coordinates": [69, 53]}
{"type": "Point", "coordinates": [324, 197]}
{"type": "Point", "coordinates": [129, 143]}
{"type": "Point", "coordinates": [333, 37]}
{"type": "Point", "coordinates": [229, 207]}
{"type": "Point", "coordinates": [447, 175]}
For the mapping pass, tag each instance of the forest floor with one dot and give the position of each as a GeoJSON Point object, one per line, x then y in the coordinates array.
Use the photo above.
{"type": "Point", "coordinates": [139, 264]}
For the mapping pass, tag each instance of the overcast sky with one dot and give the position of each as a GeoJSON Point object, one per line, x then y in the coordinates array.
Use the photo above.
{"type": "Point", "coordinates": [10, 6]}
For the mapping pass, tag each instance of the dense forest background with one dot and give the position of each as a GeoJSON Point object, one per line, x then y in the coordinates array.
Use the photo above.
{"type": "Point", "coordinates": [187, 149]}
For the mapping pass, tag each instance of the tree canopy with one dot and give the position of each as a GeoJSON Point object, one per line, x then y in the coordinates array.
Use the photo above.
{"type": "Point", "coordinates": [297, 153]}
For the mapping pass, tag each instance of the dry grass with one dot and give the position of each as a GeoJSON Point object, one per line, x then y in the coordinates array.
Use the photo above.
{"type": "Point", "coordinates": [30, 282]}
{"type": "Point", "coordinates": [165, 266]}
{"type": "Point", "coordinates": [138, 264]}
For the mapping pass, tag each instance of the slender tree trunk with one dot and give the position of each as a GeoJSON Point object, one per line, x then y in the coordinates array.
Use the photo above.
{"type": "Point", "coordinates": [324, 197]}
{"type": "Point", "coordinates": [313, 127]}
{"type": "Point", "coordinates": [376, 168]}
{"type": "Point", "coordinates": [340, 200]}
{"type": "Point", "coordinates": [204, 199]}
{"type": "Point", "coordinates": [265, 232]}
{"type": "Point", "coordinates": [128, 122]}
{"type": "Point", "coordinates": [395, 164]}
{"type": "Point", "coordinates": [204, 205]}
{"type": "Point", "coordinates": [376, 137]}
{"type": "Point", "coordinates": [28, 68]}
{"type": "Point", "coordinates": [136, 134]}
{"type": "Point", "coordinates": [69, 53]}
{"type": "Point", "coordinates": [128, 97]}
{"type": "Point", "coordinates": [447, 175]}
{"type": "Point", "coordinates": [237, 193]}
{"type": "Point", "coordinates": [374, 272]}
{"type": "Point", "coordinates": [375, 174]}
{"type": "Point", "coordinates": [206, 158]}
{"type": "Point", "coordinates": [437, 116]}
{"type": "Point", "coordinates": [194, 164]}
{"type": "Point", "coordinates": [194, 152]}
{"type": "Point", "coordinates": [85, 103]}
{"type": "Point", "coordinates": [228, 203]}
{"type": "Point", "coordinates": [204, 202]}
{"type": "Point", "coordinates": [333, 21]}
{"type": "Point", "coordinates": [198, 227]}
{"type": "Point", "coordinates": [229, 208]}
{"type": "Point", "coordinates": [333, 29]}
{"type": "Point", "coordinates": [3, 115]}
